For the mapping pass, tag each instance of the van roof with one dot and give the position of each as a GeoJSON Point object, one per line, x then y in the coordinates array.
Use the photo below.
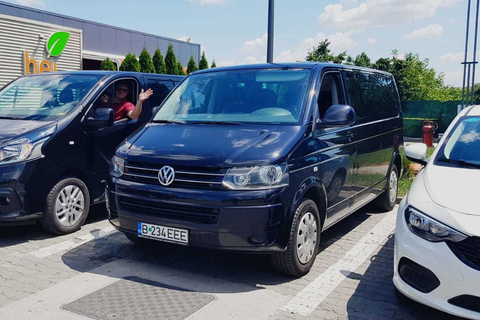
{"type": "Point", "coordinates": [105, 73]}
{"type": "Point", "coordinates": [290, 65]}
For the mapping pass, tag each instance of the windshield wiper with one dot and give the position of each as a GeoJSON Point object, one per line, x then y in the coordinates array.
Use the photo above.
{"type": "Point", "coordinates": [169, 121]}
{"type": "Point", "coordinates": [218, 122]}
{"type": "Point", "coordinates": [10, 118]}
{"type": "Point", "coordinates": [463, 163]}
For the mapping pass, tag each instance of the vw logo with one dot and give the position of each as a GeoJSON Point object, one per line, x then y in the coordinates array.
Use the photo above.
{"type": "Point", "coordinates": [166, 175]}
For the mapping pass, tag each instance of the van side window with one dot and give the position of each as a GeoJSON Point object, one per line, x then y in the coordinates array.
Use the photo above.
{"type": "Point", "coordinates": [109, 98]}
{"type": "Point", "coordinates": [161, 88]}
{"type": "Point", "coordinates": [385, 101]}
{"type": "Point", "coordinates": [358, 88]}
{"type": "Point", "coordinates": [330, 92]}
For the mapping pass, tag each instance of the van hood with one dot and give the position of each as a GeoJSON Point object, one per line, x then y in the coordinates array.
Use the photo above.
{"type": "Point", "coordinates": [11, 129]}
{"type": "Point", "coordinates": [210, 145]}
{"type": "Point", "coordinates": [454, 188]}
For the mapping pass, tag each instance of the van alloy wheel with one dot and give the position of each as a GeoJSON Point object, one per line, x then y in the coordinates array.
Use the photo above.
{"type": "Point", "coordinates": [306, 238]}
{"type": "Point", "coordinates": [387, 199]}
{"type": "Point", "coordinates": [69, 205]}
{"type": "Point", "coordinates": [393, 186]}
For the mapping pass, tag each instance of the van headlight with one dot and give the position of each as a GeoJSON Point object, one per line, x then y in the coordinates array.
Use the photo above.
{"type": "Point", "coordinates": [26, 148]}
{"type": "Point", "coordinates": [259, 177]}
{"type": "Point", "coordinates": [116, 166]}
{"type": "Point", "coordinates": [429, 229]}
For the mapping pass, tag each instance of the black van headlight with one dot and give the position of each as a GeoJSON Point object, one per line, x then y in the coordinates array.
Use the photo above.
{"type": "Point", "coordinates": [117, 165]}
{"type": "Point", "coordinates": [430, 229]}
{"type": "Point", "coordinates": [26, 148]}
{"type": "Point", "coordinates": [259, 177]}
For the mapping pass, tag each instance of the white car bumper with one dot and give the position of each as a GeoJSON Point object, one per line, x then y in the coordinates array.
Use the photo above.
{"type": "Point", "coordinates": [456, 278]}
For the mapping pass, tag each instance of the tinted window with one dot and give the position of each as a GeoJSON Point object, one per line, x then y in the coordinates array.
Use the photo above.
{"type": "Point", "coordinates": [330, 92]}
{"type": "Point", "coordinates": [161, 89]}
{"type": "Point", "coordinates": [250, 96]}
{"type": "Point", "coordinates": [44, 97]}
{"type": "Point", "coordinates": [373, 96]}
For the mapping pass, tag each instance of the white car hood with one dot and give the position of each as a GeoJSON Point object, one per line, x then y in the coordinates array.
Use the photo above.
{"type": "Point", "coordinates": [454, 188]}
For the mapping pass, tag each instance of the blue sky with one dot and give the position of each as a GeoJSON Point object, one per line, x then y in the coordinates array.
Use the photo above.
{"type": "Point", "coordinates": [234, 31]}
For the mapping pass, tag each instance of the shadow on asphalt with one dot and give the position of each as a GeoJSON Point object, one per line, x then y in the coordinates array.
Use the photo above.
{"type": "Point", "coordinates": [375, 293]}
{"type": "Point", "coordinates": [13, 235]}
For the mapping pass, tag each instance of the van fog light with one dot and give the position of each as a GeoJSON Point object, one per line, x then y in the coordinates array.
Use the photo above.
{"type": "Point", "coordinates": [257, 239]}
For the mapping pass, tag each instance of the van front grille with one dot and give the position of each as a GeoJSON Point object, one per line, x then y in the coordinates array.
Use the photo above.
{"type": "Point", "coordinates": [168, 211]}
{"type": "Point", "coordinates": [185, 177]}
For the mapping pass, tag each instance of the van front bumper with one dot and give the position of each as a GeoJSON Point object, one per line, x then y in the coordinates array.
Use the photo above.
{"type": "Point", "coordinates": [224, 220]}
{"type": "Point", "coordinates": [13, 209]}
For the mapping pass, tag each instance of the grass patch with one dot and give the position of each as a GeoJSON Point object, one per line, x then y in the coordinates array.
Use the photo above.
{"type": "Point", "coordinates": [406, 180]}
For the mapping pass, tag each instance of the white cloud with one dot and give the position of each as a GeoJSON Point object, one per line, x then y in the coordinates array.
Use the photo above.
{"type": "Point", "coordinates": [251, 60]}
{"type": "Point", "coordinates": [453, 57]}
{"type": "Point", "coordinates": [226, 63]}
{"type": "Point", "coordinates": [256, 45]}
{"type": "Point", "coordinates": [209, 2]}
{"type": "Point", "coordinates": [371, 41]}
{"type": "Point", "coordinates": [340, 41]}
{"type": "Point", "coordinates": [374, 13]}
{"type": "Point", "coordinates": [433, 30]}
{"type": "Point", "coordinates": [31, 3]}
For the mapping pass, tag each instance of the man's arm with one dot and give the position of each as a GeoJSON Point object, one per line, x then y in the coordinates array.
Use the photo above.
{"type": "Point", "coordinates": [135, 113]}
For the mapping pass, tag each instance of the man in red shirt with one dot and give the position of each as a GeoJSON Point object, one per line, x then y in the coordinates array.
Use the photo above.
{"type": "Point", "coordinates": [122, 108]}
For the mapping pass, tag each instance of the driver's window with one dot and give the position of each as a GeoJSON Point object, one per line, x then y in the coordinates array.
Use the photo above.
{"type": "Point", "coordinates": [121, 96]}
{"type": "Point", "coordinates": [330, 93]}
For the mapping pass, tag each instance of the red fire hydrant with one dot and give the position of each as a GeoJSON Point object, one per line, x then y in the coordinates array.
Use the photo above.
{"type": "Point", "coordinates": [427, 129]}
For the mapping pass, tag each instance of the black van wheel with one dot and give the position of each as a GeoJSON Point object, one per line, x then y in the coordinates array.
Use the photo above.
{"type": "Point", "coordinates": [66, 207]}
{"type": "Point", "coordinates": [386, 201]}
{"type": "Point", "coordinates": [298, 258]}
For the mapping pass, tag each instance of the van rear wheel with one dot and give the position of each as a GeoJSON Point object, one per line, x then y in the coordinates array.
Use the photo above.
{"type": "Point", "coordinates": [298, 258]}
{"type": "Point", "coordinates": [386, 201]}
{"type": "Point", "coordinates": [67, 206]}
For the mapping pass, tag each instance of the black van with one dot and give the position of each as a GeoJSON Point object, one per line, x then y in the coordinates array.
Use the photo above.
{"type": "Point", "coordinates": [260, 158]}
{"type": "Point", "coordinates": [57, 140]}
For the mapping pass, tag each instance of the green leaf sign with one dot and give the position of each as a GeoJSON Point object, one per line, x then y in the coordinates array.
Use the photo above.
{"type": "Point", "coordinates": [56, 43]}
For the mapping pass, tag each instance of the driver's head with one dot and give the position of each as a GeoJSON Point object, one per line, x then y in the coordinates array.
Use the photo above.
{"type": "Point", "coordinates": [122, 89]}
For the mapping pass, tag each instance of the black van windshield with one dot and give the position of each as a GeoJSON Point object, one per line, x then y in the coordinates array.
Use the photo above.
{"type": "Point", "coordinates": [44, 97]}
{"type": "Point", "coordinates": [239, 96]}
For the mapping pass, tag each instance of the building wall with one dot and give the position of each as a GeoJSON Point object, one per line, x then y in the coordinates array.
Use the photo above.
{"type": "Point", "coordinates": [107, 39]}
{"type": "Point", "coordinates": [19, 36]}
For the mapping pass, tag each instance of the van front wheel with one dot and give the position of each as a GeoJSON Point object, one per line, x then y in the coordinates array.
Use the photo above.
{"type": "Point", "coordinates": [298, 258]}
{"type": "Point", "coordinates": [67, 206]}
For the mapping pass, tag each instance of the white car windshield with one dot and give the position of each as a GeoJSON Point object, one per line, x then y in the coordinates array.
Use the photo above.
{"type": "Point", "coordinates": [239, 96]}
{"type": "Point", "coordinates": [44, 97]}
{"type": "Point", "coordinates": [462, 147]}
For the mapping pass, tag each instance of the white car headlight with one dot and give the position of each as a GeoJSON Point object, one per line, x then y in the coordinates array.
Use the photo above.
{"type": "Point", "coordinates": [429, 229]}
{"type": "Point", "coordinates": [251, 178]}
{"type": "Point", "coordinates": [117, 166]}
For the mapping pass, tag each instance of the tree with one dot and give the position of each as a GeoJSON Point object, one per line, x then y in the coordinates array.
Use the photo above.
{"type": "Point", "coordinates": [146, 64]}
{"type": "Point", "coordinates": [362, 60]}
{"type": "Point", "coordinates": [214, 65]}
{"type": "Point", "coordinates": [192, 66]}
{"type": "Point", "coordinates": [323, 54]}
{"type": "Point", "coordinates": [179, 69]}
{"type": "Point", "coordinates": [170, 60]}
{"type": "Point", "coordinates": [158, 62]}
{"type": "Point", "coordinates": [203, 64]}
{"type": "Point", "coordinates": [108, 64]}
{"type": "Point", "coordinates": [130, 63]}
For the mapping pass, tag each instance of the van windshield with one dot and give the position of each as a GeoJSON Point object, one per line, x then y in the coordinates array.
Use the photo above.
{"type": "Point", "coordinates": [44, 97]}
{"type": "Point", "coordinates": [239, 96]}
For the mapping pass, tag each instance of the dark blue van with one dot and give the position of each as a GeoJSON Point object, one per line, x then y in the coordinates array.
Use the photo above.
{"type": "Point", "coordinates": [260, 158]}
{"type": "Point", "coordinates": [57, 137]}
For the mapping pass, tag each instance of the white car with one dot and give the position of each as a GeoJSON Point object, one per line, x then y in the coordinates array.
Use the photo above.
{"type": "Point", "coordinates": [437, 240]}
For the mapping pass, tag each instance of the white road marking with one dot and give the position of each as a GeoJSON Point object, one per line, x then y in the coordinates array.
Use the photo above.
{"type": "Point", "coordinates": [308, 299]}
{"type": "Point", "coordinates": [72, 243]}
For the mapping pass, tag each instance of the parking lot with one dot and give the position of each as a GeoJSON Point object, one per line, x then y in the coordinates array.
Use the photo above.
{"type": "Point", "coordinates": [98, 273]}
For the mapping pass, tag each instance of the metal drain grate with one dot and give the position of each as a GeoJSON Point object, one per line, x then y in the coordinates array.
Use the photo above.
{"type": "Point", "coordinates": [134, 299]}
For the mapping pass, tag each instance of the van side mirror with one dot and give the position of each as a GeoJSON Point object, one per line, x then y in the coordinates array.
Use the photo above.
{"type": "Point", "coordinates": [417, 153]}
{"type": "Point", "coordinates": [103, 118]}
{"type": "Point", "coordinates": [339, 115]}
{"type": "Point", "coordinates": [153, 111]}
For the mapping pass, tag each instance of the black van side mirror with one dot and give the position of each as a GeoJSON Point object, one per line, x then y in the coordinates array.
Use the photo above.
{"type": "Point", "coordinates": [339, 115]}
{"type": "Point", "coordinates": [153, 111]}
{"type": "Point", "coordinates": [103, 118]}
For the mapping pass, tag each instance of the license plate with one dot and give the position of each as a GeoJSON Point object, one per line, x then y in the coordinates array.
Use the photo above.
{"type": "Point", "coordinates": [162, 233]}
